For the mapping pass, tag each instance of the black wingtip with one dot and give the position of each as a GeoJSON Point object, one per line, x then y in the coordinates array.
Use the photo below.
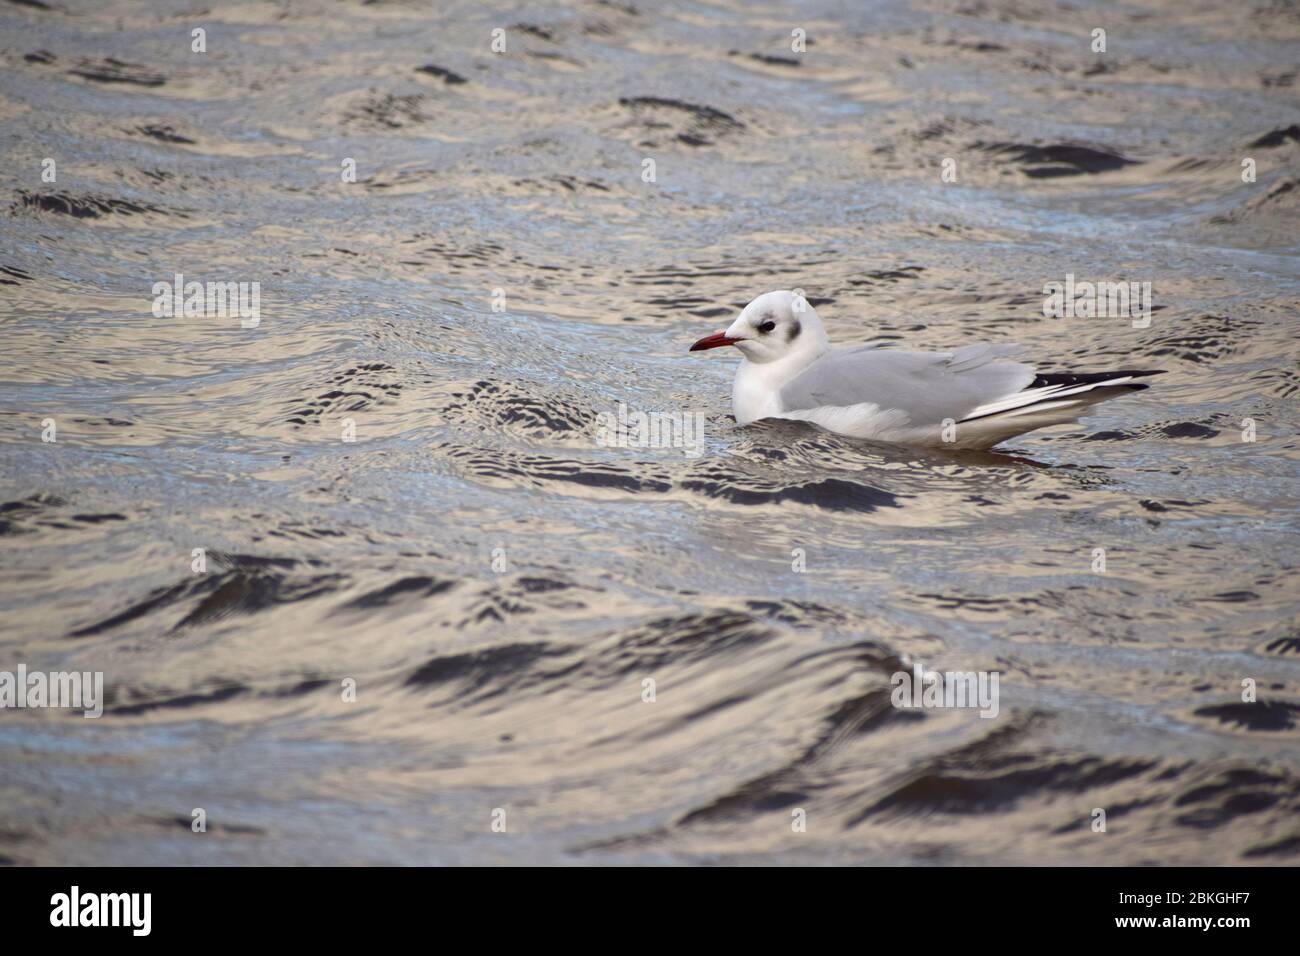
{"type": "Point", "coordinates": [1090, 378]}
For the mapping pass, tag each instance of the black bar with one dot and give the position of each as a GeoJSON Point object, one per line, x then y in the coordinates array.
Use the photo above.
{"type": "Point", "coordinates": [213, 906]}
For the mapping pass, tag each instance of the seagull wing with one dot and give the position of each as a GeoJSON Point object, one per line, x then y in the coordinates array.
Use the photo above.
{"type": "Point", "coordinates": [925, 387]}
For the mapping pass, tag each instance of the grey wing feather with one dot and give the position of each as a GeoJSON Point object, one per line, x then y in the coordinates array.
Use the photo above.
{"type": "Point", "coordinates": [927, 386]}
{"type": "Point", "coordinates": [974, 356]}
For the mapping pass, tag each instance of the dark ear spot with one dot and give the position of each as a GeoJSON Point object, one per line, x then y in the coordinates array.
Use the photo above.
{"type": "Point", "coordinates": [795, 329]}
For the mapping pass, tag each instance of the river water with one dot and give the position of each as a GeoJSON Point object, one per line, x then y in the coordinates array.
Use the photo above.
{"type": "Point", "coordinates": [363, 585]}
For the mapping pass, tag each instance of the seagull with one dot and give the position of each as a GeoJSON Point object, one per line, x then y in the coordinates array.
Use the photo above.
{"type": "Point", "coordinates": [967, 399]}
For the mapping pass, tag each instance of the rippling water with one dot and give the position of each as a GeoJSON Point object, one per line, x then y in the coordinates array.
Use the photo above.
{"type": "Point", "coordinates": [497, 584]}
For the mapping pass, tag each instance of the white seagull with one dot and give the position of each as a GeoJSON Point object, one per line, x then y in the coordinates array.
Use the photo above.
{"type": "Point", "coordinates": [965, 399]}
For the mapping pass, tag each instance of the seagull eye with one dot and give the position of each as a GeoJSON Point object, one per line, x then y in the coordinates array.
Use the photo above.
{"type": "Point", "coordinates": [767, 327]}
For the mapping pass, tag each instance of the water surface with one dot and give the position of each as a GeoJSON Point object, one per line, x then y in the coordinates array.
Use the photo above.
{"type": "Point", "coordinates": [497, 584]}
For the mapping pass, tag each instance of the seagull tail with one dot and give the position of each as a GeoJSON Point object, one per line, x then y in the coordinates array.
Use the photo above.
{"type": "Point", "coordinates": [1050, 399]}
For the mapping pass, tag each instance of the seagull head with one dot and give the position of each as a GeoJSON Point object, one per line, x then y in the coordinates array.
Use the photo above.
{"type": "Point", "coordinates": [774, 326]}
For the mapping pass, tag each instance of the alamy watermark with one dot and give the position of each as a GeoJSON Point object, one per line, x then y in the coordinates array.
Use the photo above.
{"type": "Point", "coordinates": [951, 689]}
{"type": "Point", "coordinates": [181, 299]}
{"type": "Point", "coordinates": [75, 908]}
{"type": "Point", "coordinates": [1086, 300]}
{"type": "Point", "coordinates": [79, 690]}
{"type": "Point", "coordinates": [625, 429]}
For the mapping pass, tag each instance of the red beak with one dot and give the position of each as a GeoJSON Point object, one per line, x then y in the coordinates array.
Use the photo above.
{"type": "Point", "coordinates": [713, 341]}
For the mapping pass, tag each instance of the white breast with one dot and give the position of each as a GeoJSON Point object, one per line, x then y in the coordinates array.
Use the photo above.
{"type": "Point", "coordinates": [756, 391]}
